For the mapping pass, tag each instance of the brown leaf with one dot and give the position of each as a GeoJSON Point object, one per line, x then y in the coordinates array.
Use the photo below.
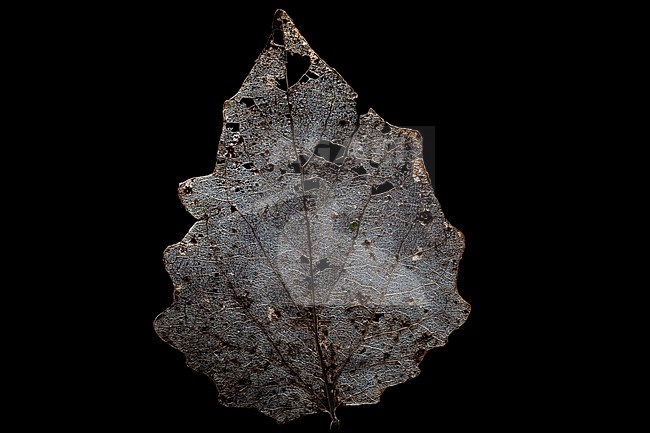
{"type": "Point", "coordinates": [321, 268]}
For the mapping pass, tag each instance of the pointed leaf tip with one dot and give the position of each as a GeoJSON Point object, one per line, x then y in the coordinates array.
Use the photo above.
{"type": "Point", "coordinates": [279, 14]}
{"type": "Point", "coordinates": [292, 40]}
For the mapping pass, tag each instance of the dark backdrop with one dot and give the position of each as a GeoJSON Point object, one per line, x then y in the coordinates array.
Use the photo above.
{"type": "Point", "coordinates": [165, 73]}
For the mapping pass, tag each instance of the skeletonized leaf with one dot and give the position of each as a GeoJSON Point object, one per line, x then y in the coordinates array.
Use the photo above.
{"type": "Point", "coordinates": [321, 268]}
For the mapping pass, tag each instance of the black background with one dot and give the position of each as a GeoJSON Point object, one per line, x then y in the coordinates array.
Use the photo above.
{"type": "Point", "coordinates": [164, 74]}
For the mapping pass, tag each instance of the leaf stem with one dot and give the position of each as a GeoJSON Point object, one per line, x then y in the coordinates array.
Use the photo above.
{"type": "Point", "coordinates": [335, 425]}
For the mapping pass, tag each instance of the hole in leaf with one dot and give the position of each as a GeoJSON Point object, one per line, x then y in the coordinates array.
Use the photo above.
{"type": "Point", "coordinates": [377, 317]}
{"type": "Point", "coordinates": [359, 170]}
{"type": "Point", "coordinates": [298, 164]}
{"type": "Point", "coordinates": [374, 164]}
{"type": "Point", "coordinates": [248, 165]}
{"type": "Point", "coordinates": [232, 126]}
{"type": "Point", "coordinates": [297, 65]}
{"type": "Point", "coordinates": [425, 217]}
{"type": "Point", "coordinates": [312, 184]}
{"type": "Point", "coordinates": [329, 151]}
{"type": "Point", "coordinates": [309, 184]}
{"type": "Point", "coordinates": [249, 102]}
{"type": "Point", "coordinates": [382, 188]}
{"type": "Point", "coordinates": [278, 35]}
{"type": "Point", "coordinates": [282, 83]}
{"type": "Point", "coordinates": [385, 129]}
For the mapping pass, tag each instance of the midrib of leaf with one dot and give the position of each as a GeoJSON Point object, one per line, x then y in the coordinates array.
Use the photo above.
{"type": "Point", "coordinates": [315, 315]}
{"type": "Point", "coordinates": [236, 297]}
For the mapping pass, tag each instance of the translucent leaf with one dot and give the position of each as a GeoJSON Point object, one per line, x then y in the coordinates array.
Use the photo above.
{"type": "Point", "coordinates": [321, 268]}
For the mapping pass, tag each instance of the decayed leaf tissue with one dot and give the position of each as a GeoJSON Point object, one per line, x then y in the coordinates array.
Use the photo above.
{"type": "Point", "coordinates": [321, 268]}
